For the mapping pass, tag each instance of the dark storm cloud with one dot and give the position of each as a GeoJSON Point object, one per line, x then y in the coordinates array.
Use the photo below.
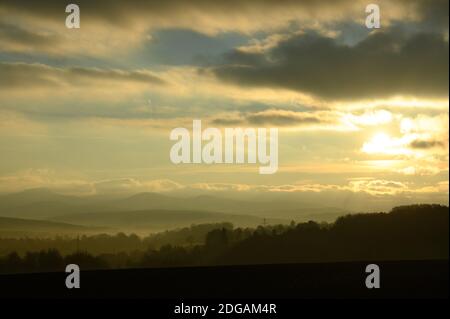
{"type": "Point", "coordinates": [119, 12]}
{"type": "Point", "coordinates": [22, 75]}
{"type": "Point", "coordinates": [433, 13]}
{"type": "Point", "coordinates": [122, 12]}
{"type": "Point", "coordinates": [384, 64]}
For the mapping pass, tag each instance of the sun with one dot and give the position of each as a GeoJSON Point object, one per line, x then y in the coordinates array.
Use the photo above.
{"type": "Point", "coordinates": [379, 143]}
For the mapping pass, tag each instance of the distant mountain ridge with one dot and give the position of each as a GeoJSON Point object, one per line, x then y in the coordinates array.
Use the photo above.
{"type": "Point", "coordinates": [45, 204]}
{"type": "Point", "coordinates": [151, 212]}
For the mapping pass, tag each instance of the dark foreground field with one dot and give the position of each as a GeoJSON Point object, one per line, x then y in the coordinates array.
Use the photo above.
{"type": "Point", "coordinates": [403, 279]}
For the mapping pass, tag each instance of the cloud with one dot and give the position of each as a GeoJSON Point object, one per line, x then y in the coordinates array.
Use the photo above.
{"type": "Point", "coordinates": [368, 118]}
{"type": "Point", "coordinates": [15, 38]}
{"type": "Point", "coordinates": [433, 14]}
{"type": "Point", "coordinates": [421, 149]}
{"type": "Point", "coordinates": [427, 133]}
{"type": "Point", "coordinates": [275, 117]}
{"type": "Point", "coordinates": [379, 187]}
{"type": "Point", "coordinates": [118, 26]}
{"type": "Point", "coordinates": [382, 143]}
{"type": "Point", "coordinates": [69, 184]}
{"type": "Point", "coordinates": [209, 15]}
{"type": "Point", "coordinates": [44, 92]}
{"type": "Point", "coordinates": [66, 183]}
{"type": "Point", "coordinates": [45, 178]}
{"type": "Point", "coordinates": [424, 144]}
{"type": "Point", "coordinates": [282, 118]}
{"type": "Point", "coordinates": [23, 75]}
{"type": "Point", "coordinates": [357, 192]}
{"type": "Point", "coordinates": [419, 170]}
{"type": "Point", "coordinates": [382, 65]}
{"type": "Point", "coordinates": [117, 12]}
{"type": "Point", "coordinates": [131, 185]}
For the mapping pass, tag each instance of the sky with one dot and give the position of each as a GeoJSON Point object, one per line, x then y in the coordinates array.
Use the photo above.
{"type": "Point", "coordinates": [362, 113]}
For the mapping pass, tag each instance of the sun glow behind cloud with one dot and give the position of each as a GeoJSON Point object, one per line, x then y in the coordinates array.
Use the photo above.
{"type": "Point", "coordinates": [382, 143]}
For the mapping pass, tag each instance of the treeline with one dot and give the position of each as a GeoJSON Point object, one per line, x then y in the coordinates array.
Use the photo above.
{"type": "Point", "coordinates": [409, 232]}
{"type": "Point", "coordinates": [48, 261]}
{"type": "Point", "coordinates": [112, 244]}
{"type": "Point", "coordinates": [406, 233]}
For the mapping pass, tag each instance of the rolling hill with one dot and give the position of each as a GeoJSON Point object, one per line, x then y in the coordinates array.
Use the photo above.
{"type": "Point", "coordinates": [11, 227]}
{"type": "Point", "coordinates": [158, 220]}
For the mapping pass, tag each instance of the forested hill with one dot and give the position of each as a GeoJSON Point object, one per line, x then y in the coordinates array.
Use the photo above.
{"type": "Point", "coordinates": [407, 232]}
